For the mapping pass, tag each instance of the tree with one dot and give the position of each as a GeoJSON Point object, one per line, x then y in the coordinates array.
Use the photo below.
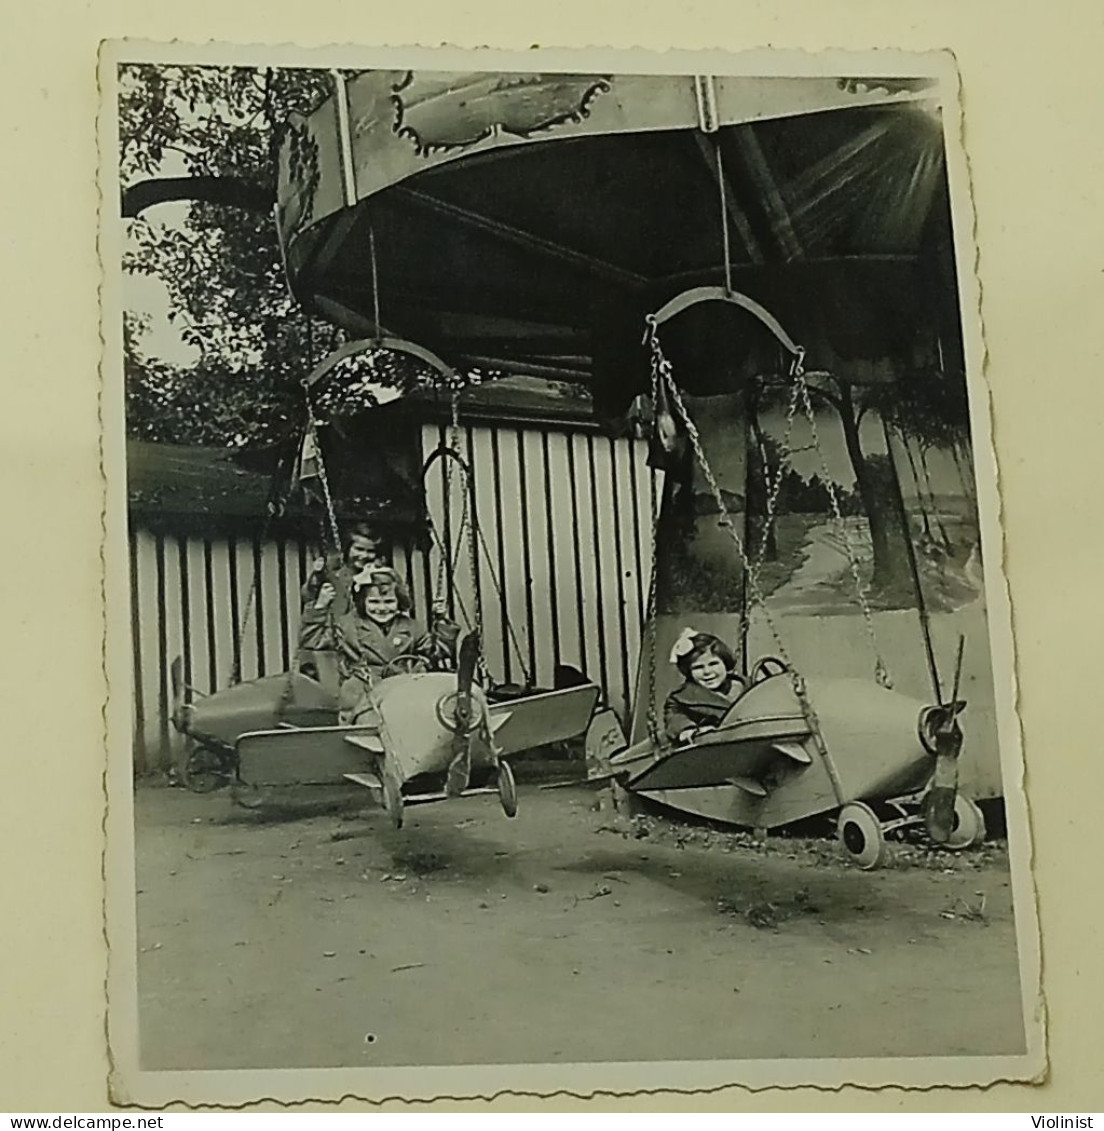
{"type": "Point", "coordinates": [223, 267]}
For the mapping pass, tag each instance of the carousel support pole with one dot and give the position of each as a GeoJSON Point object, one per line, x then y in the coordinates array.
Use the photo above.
{"type": "Point", "coordinates": [745, 625]}
{"type": "Point", "coordinates": [914, 567]}
{"type": "Point", "coordinates": [344, 138]}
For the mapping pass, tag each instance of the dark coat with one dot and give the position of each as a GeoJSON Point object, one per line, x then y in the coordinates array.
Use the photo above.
{"type": "Point", "coordinates": [366, 650]}
{"type": "Point", "coordinates": [365, 644]}
{"type": "Point", "coordinates": [694, 706]}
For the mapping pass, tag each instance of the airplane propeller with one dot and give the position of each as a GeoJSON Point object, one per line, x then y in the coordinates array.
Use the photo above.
{"type": "Point", "coordinates": [942, 737]}
{"type": "Point", "coordinates": [464, 716]}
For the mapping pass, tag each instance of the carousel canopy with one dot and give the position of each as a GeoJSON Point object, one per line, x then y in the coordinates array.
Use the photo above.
{"type": "Point", "coordinates": [527, 223]}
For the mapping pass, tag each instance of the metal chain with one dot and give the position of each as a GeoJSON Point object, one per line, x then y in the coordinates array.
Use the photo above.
{"type": "Point", "coordinates": [446, 565]}
{"type": "Point", "coordinates": [323, 478]}
{"type": "Point", "coordinates": [439, 543]}
{"type": "Point", "coordinates": [664, 371]}
{"type": "Point", "coordinates": [475, 539]}
{"type": "Point", "coordinates": [656, 735]}
{"type": "Point", "coordinates": [774, 485]}
{"type": "Point", "coordinates": [881, 671]}
{"type": "Point", "coordinates": [661, 368]}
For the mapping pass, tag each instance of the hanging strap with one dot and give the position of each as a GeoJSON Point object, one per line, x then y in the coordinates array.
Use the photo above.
{"type": "Point", "coordinates": [395, 345]}
{"type": "Point", "coordinates": [657, 734]}
{"type": "Point", "coordinates": [323, 477]}
{"type": "Point", "coordinates": [774, 483]}
{"type": "Point", "coordinates": [696, 295]}
{"type": "Point", "coordinates": [881, 671]}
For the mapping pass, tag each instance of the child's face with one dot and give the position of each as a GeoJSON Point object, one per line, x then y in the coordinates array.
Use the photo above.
{"type": "Point", "coordinates": [380, 605]}
{"type": "Point", "coordinates": [708, 671]}
{"type": "Point", "coordinates": [363, 552]}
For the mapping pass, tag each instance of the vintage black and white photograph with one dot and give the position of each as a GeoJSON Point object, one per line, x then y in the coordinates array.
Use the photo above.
{"type": "Point", "coordinates": [559, 618]}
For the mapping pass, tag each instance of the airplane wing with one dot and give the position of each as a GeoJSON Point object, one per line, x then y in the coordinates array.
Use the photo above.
{"type": "Point", "coordinates": [303, 755]}
{"type": "Point", "coordinates": [542, 718]}
{"type": "Point", "coordinates": [713, 759]}
{"type": "Point", "coordinates": [371, 781]}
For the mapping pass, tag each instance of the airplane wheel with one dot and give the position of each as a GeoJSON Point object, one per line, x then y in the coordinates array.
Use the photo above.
{"type": "Point", "coordinates": [860, 833]}
{"type": "Point", "coordinates": [246, 795]}
{"type": "Point", "coordinates": [969, 824]}
{"type": "Point", "coordinates": [507, 789]}
{"type": "Point", "coordinates": [203, 770]}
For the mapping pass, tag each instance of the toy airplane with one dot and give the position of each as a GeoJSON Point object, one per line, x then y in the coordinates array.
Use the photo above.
{"type": "Point", "coordinates": [882, 759]}
{"type": "Point", "coordinates": [420, 736]}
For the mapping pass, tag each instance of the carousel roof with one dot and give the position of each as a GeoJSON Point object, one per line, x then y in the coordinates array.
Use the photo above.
{"type": "Point", "coordinates": [527, 223]}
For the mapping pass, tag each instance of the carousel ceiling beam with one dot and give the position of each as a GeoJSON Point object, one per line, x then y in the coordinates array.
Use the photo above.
{"type": "Point", "coordinates": [524, 367]}
{"type": "Point", "coordinates": [332, 243]}
{"type": "Point", "coordinates": [777, 214]}
{"type": "Point", "coordinates": [493, 327]}
{"type": "Point", "coordinates": [405, 302]}
{"type": "Point", "coordinates": [351, 319]}
{"type": "Point", "coordinates": [520, 238]}
{"type": "Point", "coordinates": [704, 274]}
{"type": "Point", "coordinates": [735, 212]}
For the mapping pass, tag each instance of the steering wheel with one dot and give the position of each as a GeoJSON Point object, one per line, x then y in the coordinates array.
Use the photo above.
{"type": "Point", "coordinates": [767, 666]}
{"type": "Point", "coordinates": [406, 664]}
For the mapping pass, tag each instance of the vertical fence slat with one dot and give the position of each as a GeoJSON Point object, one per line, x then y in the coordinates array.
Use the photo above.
{"type": "Point", "coordinates": [246, 630]}
{"type": "Point", "coordinates": [136, 622]}
{"type": "Point", "coordinates": [293, 582]}
{"type": "Point", "coordinates": [550, 540]}
{"type": "Point", "coordinates": [542, 625]}
{"type": "Point", "coordinates": [199, 665]}
{"type": "Point", "coordinates": [572, 642]}
{"type": "Point", "coordinates": [151, 633]}
{"type": "Point", "coordinates": [590, 620]}
{"type": "Point", "coordinates": [270, 613]}
{"type": "Point", "coordinates": [619, 574]}
{"type": "Point", "coordinates": [525, 581]}
{"type": "Point", "coordinates": [634, 589]}
{"type": "Point", "coordinates": [512, 575]}
{"type": "Point", "coordinates": [284, 595]}
{"type": "Point", "coordinates": [174, 639]}
{"type": "Point", "coordinates": [500, 564]}
{"type": "Point", "coordinates": [255, 593]}
{"type": "Point", "coordinates": [222, 602]}
{"type": "Point", "coordinates": [419, 573]}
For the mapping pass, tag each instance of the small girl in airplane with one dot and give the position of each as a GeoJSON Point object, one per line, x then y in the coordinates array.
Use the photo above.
{"type": "Point", "coordinates": [711, 685]}
{"type": "Point", "coordinates": [379, 629]}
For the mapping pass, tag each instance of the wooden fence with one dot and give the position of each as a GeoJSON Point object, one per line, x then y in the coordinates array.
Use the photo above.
{"type": "Point", "coordinates": [564, 554]}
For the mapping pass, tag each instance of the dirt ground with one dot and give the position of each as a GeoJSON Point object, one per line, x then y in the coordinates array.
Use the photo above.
{"type": "Point", "coordinates": [316, 936]}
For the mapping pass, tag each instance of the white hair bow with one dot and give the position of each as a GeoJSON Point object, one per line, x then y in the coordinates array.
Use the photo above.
{"type": "Point", "coordinates": [684, 644]}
